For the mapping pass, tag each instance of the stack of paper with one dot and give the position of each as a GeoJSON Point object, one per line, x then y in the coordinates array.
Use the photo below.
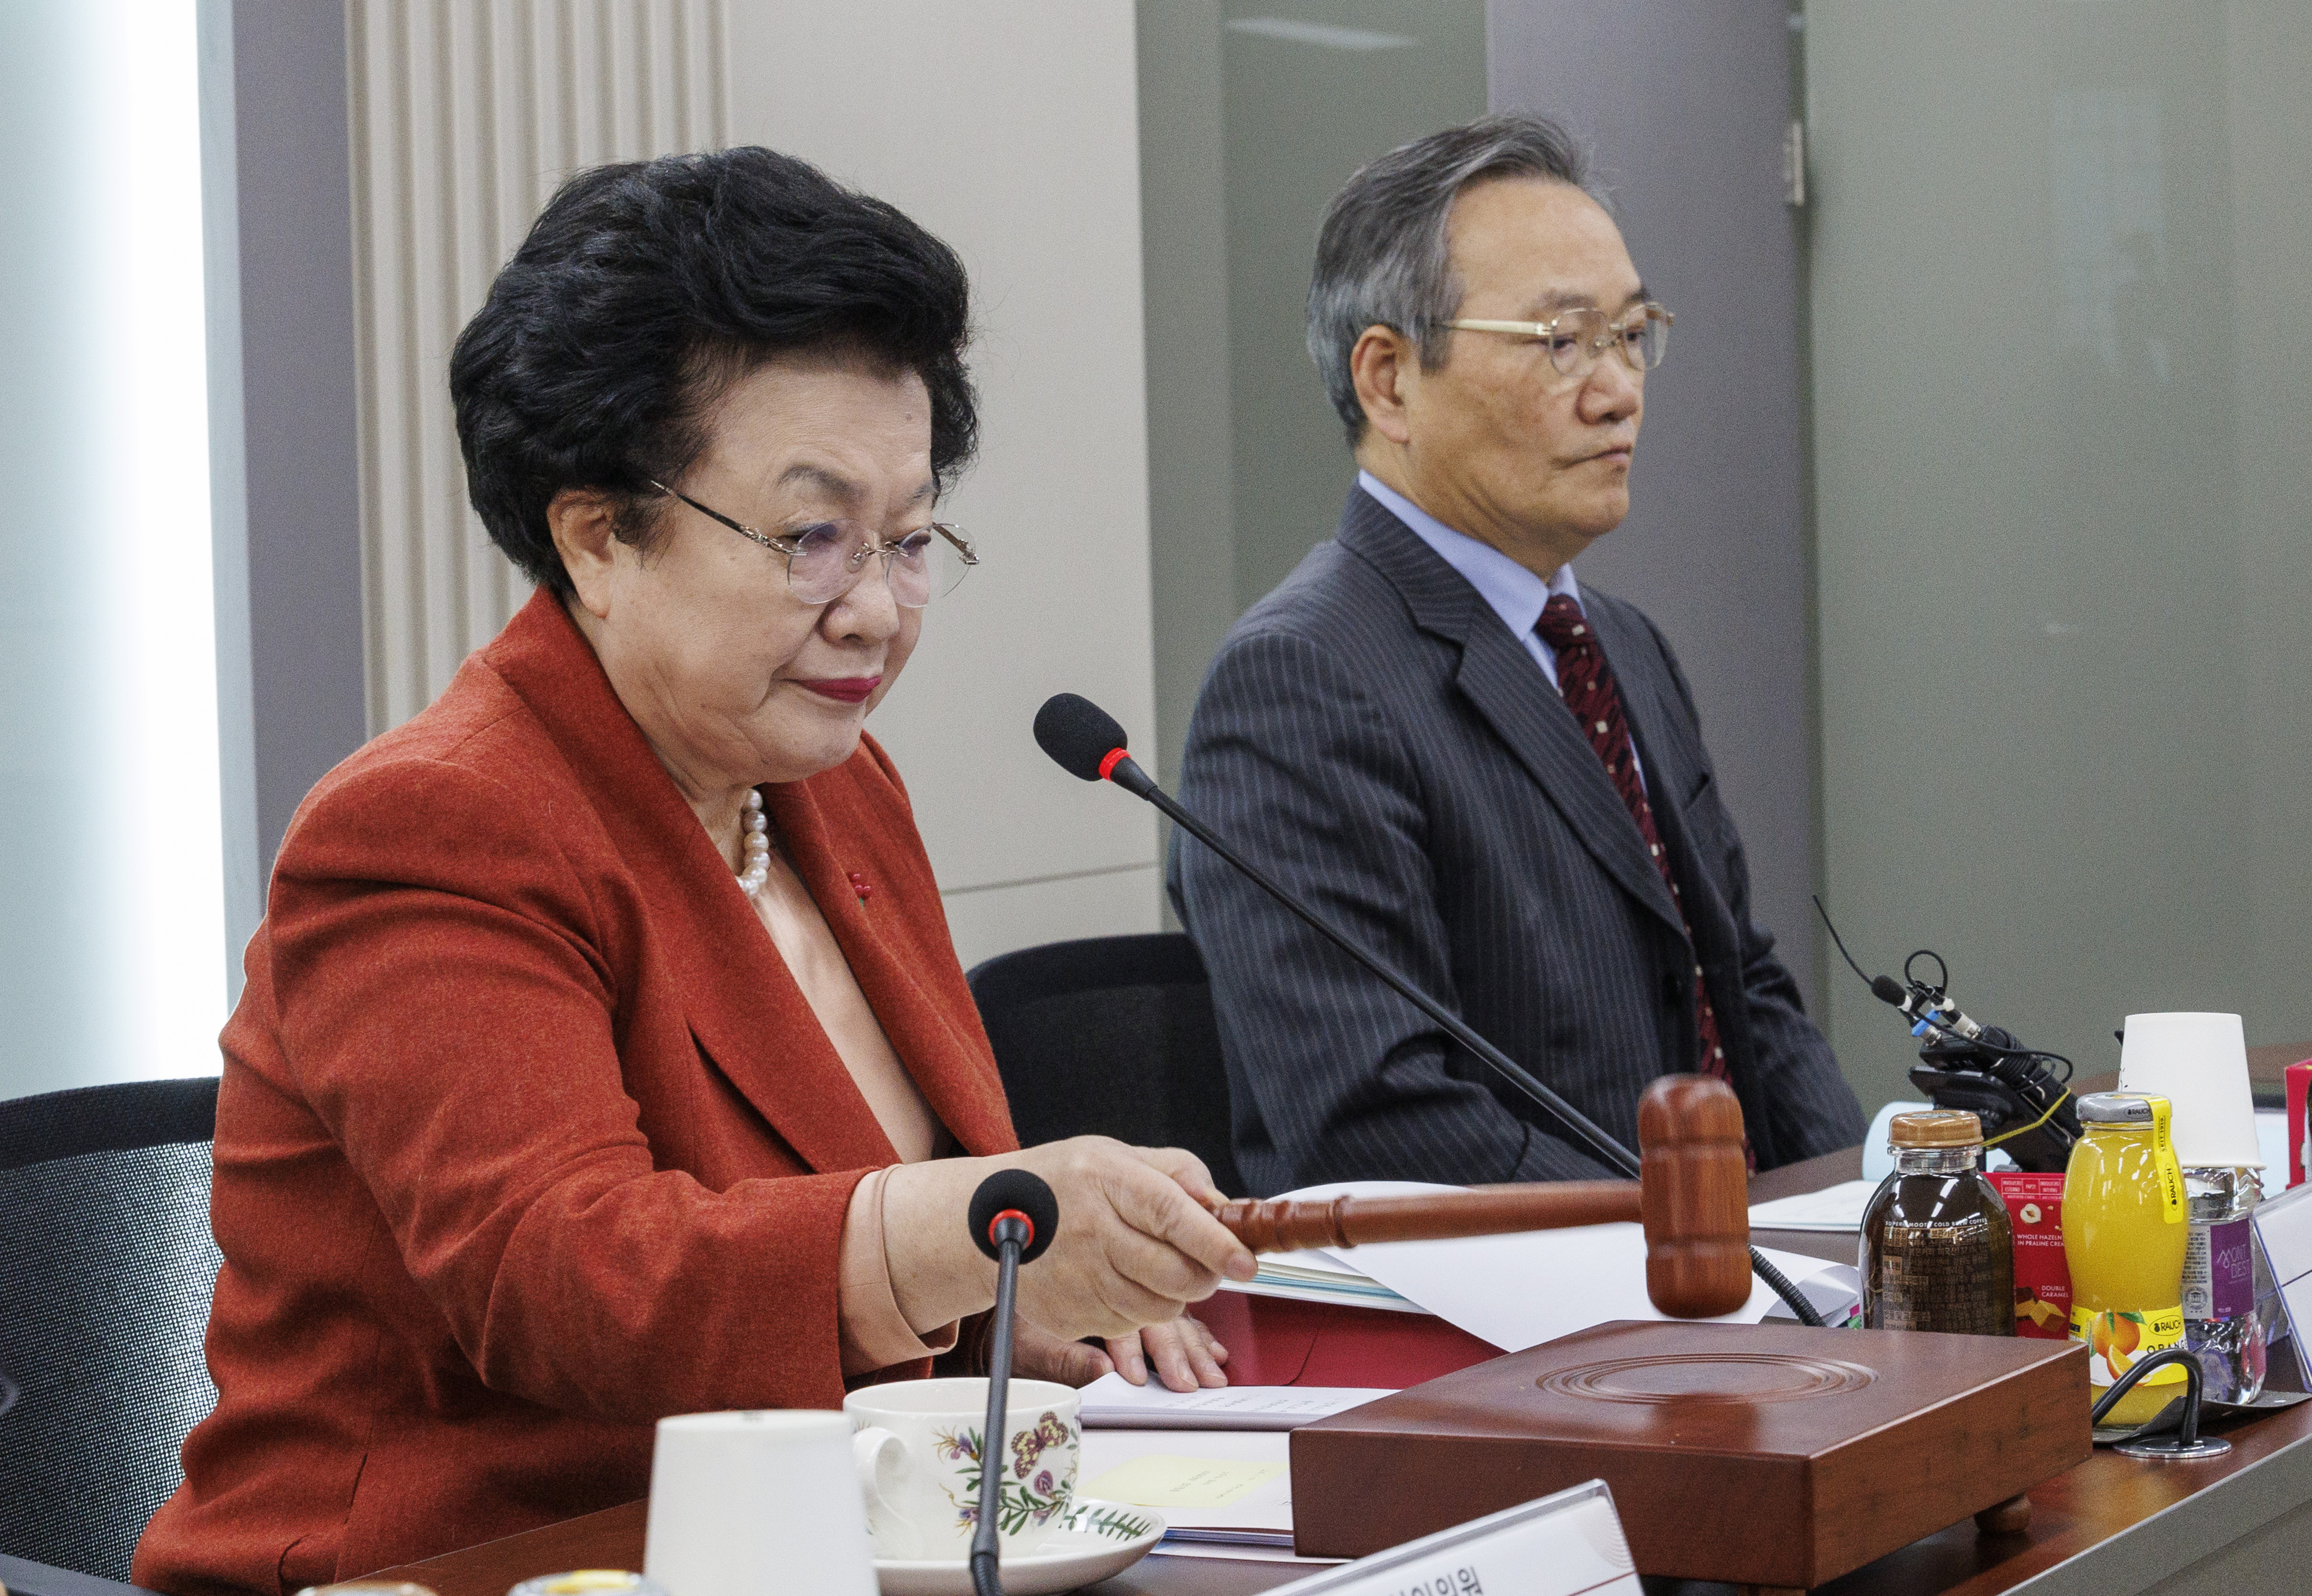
{"type": "Point", "coordinates": [1833, 1208]}
{"type": "Point", "coordinates": [1113, 1403]}
{"type": "Point", "coordinates": [1321, 1277]}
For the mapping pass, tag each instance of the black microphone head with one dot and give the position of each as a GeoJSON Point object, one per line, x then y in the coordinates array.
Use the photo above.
{"type": "Point", "coordinates": [1888, 989]}
{"type": "Point", "coordinates": [1078, 733]}
{"type": "Point", "coordinates": [1008, 1191]}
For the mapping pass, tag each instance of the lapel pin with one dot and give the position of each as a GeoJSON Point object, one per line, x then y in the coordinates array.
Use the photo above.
{"type": "Point", "coordinates": [858, 885]}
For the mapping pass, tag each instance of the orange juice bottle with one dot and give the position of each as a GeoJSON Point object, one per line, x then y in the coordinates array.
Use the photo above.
{"type": "Point", "coordinates": [2124, 1231]}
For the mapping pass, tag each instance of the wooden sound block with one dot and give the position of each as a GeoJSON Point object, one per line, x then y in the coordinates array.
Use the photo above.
{"type": "Point", "coordinates": [1759, 1454]}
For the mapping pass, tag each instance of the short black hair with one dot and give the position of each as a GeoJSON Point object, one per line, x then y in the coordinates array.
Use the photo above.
{"type": "Point", "coordinates": [646, 289]}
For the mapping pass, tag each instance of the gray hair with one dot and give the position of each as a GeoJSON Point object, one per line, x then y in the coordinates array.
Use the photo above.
{"type": "Point", "coordinates": [1381, 252]}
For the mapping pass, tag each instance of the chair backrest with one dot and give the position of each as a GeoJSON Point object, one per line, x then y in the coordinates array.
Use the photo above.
{"type": "Point", "coordinates": [1112, 1036]}
{"type": "Point", "coordinates": [106, 1270]}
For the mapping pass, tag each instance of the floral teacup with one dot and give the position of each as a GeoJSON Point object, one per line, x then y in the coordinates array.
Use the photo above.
{"type": "Point", "coordinates": [918, 1445]}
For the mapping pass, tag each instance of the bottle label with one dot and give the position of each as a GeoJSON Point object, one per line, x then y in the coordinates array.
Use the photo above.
{"type": "Point", "coordinates": [2170, 1174]}
{"type": "Point", "coordinates": [2218, 1271]}
{"type": "Point", "coordinates": [2118, 1339]}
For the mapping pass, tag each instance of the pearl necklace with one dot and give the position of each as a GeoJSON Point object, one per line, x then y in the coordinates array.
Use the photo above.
{"type": "Point", "coordinates": [756, 842]}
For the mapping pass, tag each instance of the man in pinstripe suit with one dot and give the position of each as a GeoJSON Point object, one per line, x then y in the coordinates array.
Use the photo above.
{"type": "Point", "coordinates": [1492, 776]}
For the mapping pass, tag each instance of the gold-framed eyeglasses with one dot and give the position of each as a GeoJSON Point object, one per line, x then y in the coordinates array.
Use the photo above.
{"type": "Point", "coordinates": [1577, 338]}
{"type": "Point", "coordinates": [825, 558]}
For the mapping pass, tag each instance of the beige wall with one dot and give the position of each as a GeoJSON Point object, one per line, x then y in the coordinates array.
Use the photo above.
{"type": "Point", "coordinates": [1009, 130]}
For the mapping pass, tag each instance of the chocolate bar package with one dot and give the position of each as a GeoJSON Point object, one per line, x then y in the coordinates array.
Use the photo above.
{"type": "Point", "coordinates": [2043, 1280]}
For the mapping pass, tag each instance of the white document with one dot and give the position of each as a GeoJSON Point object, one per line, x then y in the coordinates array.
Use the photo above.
{"type": "Point", "coordinates": [1833, 1208]}
{"type": "Point", "coordinates": [1112, 1402]}
{"type": "Point", "coordinates": [1518, 1291]}
{"type": "Point", "coordinates": [1231, 1552]}
{"type": "Point", "coordinates": [1260, 1516]}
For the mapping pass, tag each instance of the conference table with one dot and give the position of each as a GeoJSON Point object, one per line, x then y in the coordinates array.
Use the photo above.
{"type": "Point", "coordinates": [2111, 1526]}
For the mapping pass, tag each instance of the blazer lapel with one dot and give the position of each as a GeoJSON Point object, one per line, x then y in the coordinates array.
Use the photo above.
{"type": "Point", "coordinates": [743, 1006]}
{"type": "Point", "coordinates": [1505, 684]}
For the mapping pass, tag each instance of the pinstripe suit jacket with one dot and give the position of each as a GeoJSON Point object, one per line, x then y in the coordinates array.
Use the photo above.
{"type": "Point", "coordinates": [1372, 735]}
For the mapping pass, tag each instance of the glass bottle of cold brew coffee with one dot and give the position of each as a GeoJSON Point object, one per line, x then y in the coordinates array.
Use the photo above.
{"type": "Point", "coordinates": [1938, 1251]}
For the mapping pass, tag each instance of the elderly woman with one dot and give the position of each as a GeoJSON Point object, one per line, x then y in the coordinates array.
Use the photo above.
{"type": "Point", "coordinates": [603, 1054]}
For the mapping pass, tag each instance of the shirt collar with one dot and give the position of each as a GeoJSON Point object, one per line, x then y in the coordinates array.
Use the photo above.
{"type": "Point", "coordinates": [1513, 593]}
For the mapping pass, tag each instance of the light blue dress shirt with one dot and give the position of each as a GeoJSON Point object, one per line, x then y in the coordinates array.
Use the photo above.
{"type": "Point", "coordinates": [1513, 593]}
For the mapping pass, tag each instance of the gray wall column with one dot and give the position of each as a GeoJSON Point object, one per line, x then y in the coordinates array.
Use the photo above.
{"type": "Point", "coordinates": [1685, 109]}
{"type": "Point", "coordinates": [282, 428]}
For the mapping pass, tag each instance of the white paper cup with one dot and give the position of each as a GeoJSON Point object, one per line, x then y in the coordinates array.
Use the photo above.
{"type": "Point", "coordinates": [2199, 1064]}
{"type": "Point", "coordinates": [756, 1504]}
{"type": "Point", "coordinates": [918, 1454]}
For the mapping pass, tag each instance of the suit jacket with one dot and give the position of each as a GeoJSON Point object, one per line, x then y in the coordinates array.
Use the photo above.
{"type": "Point", "coordinates": [1372, 735]}
{"type": "Point", "coordinates": [526, 1137]}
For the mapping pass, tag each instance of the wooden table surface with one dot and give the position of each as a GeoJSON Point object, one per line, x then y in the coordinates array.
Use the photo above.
{"type": "Point", "coordinates": [2106, 1497]}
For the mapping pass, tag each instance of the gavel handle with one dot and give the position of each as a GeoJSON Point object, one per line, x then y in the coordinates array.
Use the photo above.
{"type": "Point", "coordinates": [1283, 1225]}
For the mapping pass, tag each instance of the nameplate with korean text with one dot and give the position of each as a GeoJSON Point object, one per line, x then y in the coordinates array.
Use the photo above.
{"type": "Point", "coordinates": [1569, 1544]}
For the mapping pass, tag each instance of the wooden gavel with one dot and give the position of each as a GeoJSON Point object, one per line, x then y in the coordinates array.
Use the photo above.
{"type": "Point", "coordinates": [1692, 1195]}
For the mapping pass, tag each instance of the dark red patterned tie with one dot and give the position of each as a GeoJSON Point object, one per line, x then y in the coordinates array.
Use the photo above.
{"type": "Point", "coordinates": [1587, 683]}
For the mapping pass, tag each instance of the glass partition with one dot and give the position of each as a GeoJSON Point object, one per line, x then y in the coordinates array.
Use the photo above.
{"type": "Point", "coordinates": [2063, 399]}
{"type": "Point", "coordinates": [1253, 114]}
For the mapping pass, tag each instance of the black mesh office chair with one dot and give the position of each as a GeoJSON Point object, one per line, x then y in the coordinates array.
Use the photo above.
{"type": "Point", "coordinates": [1111, 1036]}
{"type": "Point", "coordinates": [106, 1270]}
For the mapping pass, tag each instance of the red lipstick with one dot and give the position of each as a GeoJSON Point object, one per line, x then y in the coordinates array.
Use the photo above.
{"type": "Point", "coordinates": [845, 690]}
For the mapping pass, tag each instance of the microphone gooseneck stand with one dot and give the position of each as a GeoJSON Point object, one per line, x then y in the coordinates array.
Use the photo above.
{"type": "Point", "coordinates": [1013, 1216]}
{"type": "Point", "coordinates": [1085, 740]}
{"type": "Point", "coordinates": [2187, 1445]}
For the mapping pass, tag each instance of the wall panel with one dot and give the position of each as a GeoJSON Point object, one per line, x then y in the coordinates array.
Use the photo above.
{"type": "Point", "coordinates": [466, 116]}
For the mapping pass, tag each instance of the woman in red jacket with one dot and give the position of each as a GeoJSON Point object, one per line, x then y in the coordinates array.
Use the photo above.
{"type": "Point", "coordinates": [603, 1054]}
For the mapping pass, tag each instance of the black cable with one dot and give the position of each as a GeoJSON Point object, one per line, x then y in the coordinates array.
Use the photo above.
{"type": "Point", "coordinates": [1937, 987]}
{"type": "Point", "coordinates": [1086, 741]}
{"type": "Point", "coordinates": [1585, 1129]}
{"type": "Point", "coordinates": [1780, 1285]}
{"type": "Point", "coordinates": [1839, 940]}
{"type": "Point", "coordinates": [2188, 1434]}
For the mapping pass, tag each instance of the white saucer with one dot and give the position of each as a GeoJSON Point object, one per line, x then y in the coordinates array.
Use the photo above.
{"type": "Point", "coordinates": [1094, 1540]}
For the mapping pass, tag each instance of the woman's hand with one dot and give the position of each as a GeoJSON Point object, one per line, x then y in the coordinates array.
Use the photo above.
{"type": "Point", "coordinates": [1136, 1243]}
{"type": "Point", "coordinates": [1184, 1354]}
{"type": "Point", "coordinates": [1182, 1351]}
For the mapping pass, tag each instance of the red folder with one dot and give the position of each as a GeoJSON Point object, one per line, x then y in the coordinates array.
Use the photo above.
{"type": "Point", "coordinates": [1281, 1341]}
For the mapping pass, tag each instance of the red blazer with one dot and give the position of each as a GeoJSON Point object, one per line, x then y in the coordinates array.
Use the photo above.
{"type": "Point", "coordinates": [526, 1137]}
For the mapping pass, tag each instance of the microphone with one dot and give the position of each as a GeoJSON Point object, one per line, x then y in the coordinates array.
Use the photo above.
{"type": "Point", "coordinates": [1013, 1218]}
{"type": "Point", "coordinates": [1086, 741]}
{"type": "Point", "coordinates": [1014, 1197]}
{"type": "Point", "coordinates": [1931, 1010]}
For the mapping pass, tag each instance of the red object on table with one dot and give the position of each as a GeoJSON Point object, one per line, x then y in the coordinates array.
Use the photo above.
{"type": "Point", "coordinates": [2043, 1275]}
{"type": "Point", "coordinates": [2300, 1083]}
{"type": "Point", "coordinates": [1280, 1341]}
